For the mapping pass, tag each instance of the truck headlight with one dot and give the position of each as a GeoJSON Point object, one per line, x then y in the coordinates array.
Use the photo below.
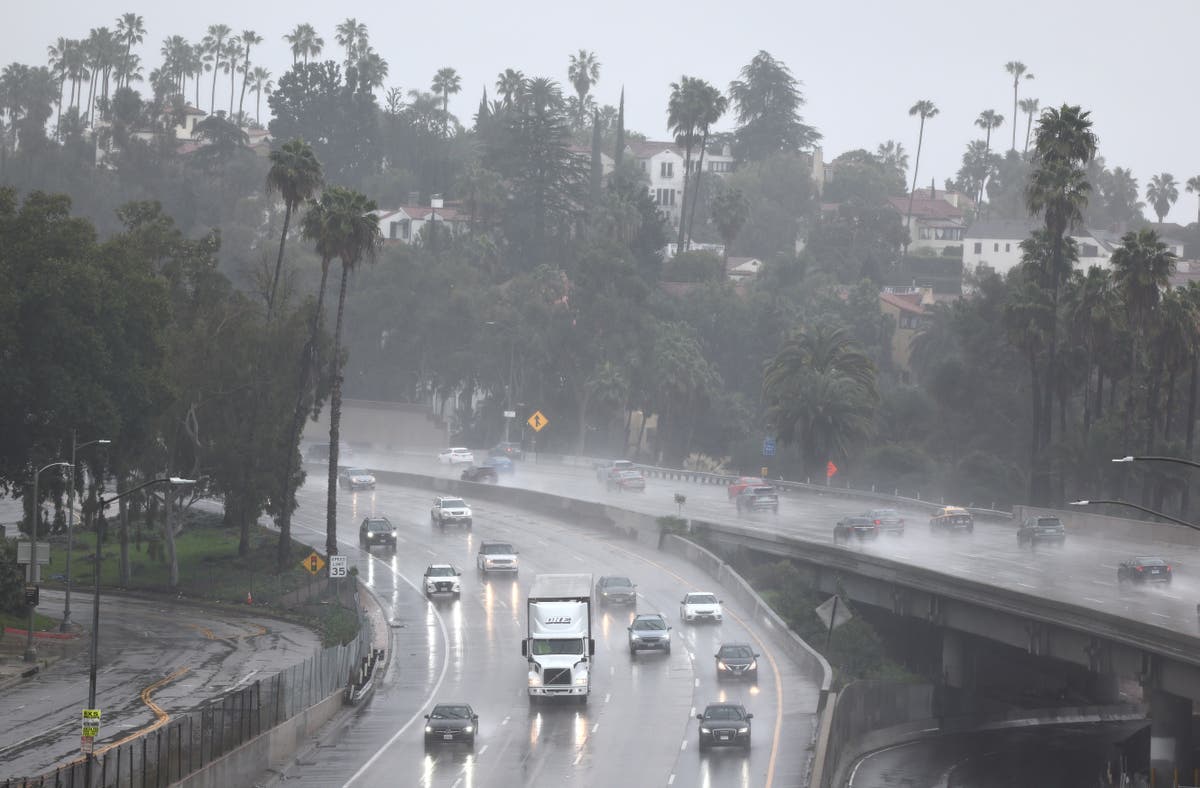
{"type": "Point", "coordinates": [456, 588]}
{"type": "Point", "coordinates": [581, 678]}
{"type": "Point", "coordinates": [534, 679]}
{"type": "Point", "coordinates": [744, 729]}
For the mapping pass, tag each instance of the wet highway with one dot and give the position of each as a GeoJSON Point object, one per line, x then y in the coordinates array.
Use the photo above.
{"type": "Point", "coordinates": [638, 729]}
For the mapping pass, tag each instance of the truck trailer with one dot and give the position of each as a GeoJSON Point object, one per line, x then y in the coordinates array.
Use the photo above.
{"type": "Point", "coordinates": [558, 645]}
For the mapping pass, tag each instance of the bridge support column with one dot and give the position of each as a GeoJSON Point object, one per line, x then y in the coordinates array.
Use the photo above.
{"type": "Point", "coordinates": [1104, 688]}
{"type": "Point", "coordinates": [958, 661]}
{"type": "Point", "coordinates": [1170, 736]}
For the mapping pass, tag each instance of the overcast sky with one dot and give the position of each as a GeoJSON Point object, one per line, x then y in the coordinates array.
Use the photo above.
{"type": "Point", "coordinates": [863, 62]}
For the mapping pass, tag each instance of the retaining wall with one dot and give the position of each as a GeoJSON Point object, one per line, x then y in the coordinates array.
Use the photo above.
{"type": "Point", "coordinates": [1084, 521]}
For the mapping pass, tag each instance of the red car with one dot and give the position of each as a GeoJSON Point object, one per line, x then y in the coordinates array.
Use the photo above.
{"type": "Point", "coordinates": [746, 481]}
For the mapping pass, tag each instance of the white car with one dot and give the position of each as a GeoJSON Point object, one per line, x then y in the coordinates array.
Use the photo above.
{"type": "Point", "coordinates": [457, 456]}
{"type": "Point", "coordinates": [443, 579]}
{"type": "Point", "coordinates": [700, 606]}
{"type": "Point", "coordinates": [356, 479]}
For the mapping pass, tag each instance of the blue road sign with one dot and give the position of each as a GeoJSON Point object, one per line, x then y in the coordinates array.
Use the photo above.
{"type": "Point", "coordinates": [768, 447]}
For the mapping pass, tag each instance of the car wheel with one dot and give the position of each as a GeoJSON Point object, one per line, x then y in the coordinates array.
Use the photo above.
{"type": "Point", "coordinates": [668, 649]}
{"type": "Point", "coordinates": [702, 746]}
{"type": "Point", "coordinates": [746, 746]}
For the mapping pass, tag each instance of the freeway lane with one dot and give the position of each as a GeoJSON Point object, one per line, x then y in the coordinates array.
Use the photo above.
{"type": "Point", "coordinates": [1083, 572]}
{"type": "Point", "coordinates": [638, 729]}
{"type": "Point", "coordinates": [141, 642]}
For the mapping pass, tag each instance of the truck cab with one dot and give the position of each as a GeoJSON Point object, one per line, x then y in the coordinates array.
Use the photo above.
{"type": "Point", "coordinates": [558, 645]}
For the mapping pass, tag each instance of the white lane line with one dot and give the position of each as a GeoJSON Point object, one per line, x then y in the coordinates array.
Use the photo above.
{"type": "Point", "coordinates": [1160, 615]}
{"type": "Point", "coordinates": [1172, 596]}
{"type": "Point", "coordinates": [683, 745]}
{"type": "Point", "coordinates": [1026, 585]}
{"type": "Point", "coordinates": [697, 682]}
{"type": "Point", "coordinates": [483, 749]}
{"type": "Point", "coordinates": [594, 727]}
{"type": "Point", "coordinates": [578, 758]}
{"type": "Point", "coordinates": [426, 550]}
{"type": "Point", "coordinates": [612, 671]}
{"type": "Point", "coordinates": [607, 697]}
{"type": "Point", "coordinates": [1102, 583]}
{"type": "Point", "coordinates": [671, 779]}
{"type": "Point", "coordinates": [457, 783]}
{"type": "Point", "coordinates": [505, 720]}
{"type": "Point", "coordinates": [1093, 599]}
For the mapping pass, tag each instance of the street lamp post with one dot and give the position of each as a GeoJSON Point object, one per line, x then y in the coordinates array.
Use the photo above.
{"type": "Point", "coordinates": [66, 621]}
{"type": "Point", "coordinates": [435, 202]}
{"type": "Point", "coordinates": [1140, 508]}
{"type": "Point", "coordinates": [1178, 460]}
{"type": "Point", "coordinates": [30, 651]}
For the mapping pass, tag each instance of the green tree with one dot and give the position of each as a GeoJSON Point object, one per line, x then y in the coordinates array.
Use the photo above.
{"type": "Point", "coordinates": [1162, 191]}
{"type": "Point", "coordinates": [730, 210]}
{"type": "Point", "coordinates": [582, 73]}
{"type": "Point", "coordinates": [510, 86]}
{"type": "Point", "coordinates": [987, 120]}
{"type": "Point", "coordinates": [924, 109]}
{"type": "Point", "coordinates": [1193, 187]}
{"type": "Point", "coordinates": [1030, 107]}
{"type": "Point", "coordinates": [684, 109]}
{"type": "Point", "coordinates": [260, 83]}
{"type": "Point", "coordinates": [296, 176]}
{"type": "Point", "coordinates": [304, 43]}
{"type": "Point", "coordinates": [712, 106]}
{"type": "Point", "coordinates": [352, 36]}
{"type": "Point", "coordinates": [767, 100]}
{"type": "Point", "coordinates": [249, 39]}
{"type": "Point", "coordinates": [1018, 71]}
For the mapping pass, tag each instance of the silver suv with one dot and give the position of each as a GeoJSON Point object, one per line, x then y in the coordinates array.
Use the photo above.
{"type": "Point", "coordinates": [649, 632]}
{"type": "Point", "coordinates": [496, 557]}
{"type": "Point", "coordinates": [450, 511]}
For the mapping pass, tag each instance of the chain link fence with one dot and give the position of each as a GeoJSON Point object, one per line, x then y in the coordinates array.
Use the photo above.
{"type": "Point", "coordinates": [194, 739]}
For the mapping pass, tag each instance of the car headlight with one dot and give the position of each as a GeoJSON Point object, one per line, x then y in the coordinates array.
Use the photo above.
{"type": "Point", "coordinates": [744, 729]}
{"type": "Point", "coordinates": [468, 729]}
{"type": "Point", "coordinates": [455, 587]}
{"type": "Point", "coordinates": [705, 730]}
{"type": "Point", "coordinates": [722, 665]}
{"type": "Point", "coordinates": [429, 729]}
{"type": "Point", "coordinates": [754, 665]}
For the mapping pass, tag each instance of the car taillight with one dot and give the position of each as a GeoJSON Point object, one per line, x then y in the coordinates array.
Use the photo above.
{"type": "Point", "coordinates": [1140, 568]}
{"type": "Point", "coordinates": [1168, 567]}
{"type": "Point", "coordinates": [877, 522]}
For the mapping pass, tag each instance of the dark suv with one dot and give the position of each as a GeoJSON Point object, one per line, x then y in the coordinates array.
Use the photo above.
{"type": "Point", "coordinates": [510, 449]}
{"type": "Point", "coordinates": [484, 474]}
{"type": "Point", "coordinates": [855, 526]}
{"type": "Point", "coordinates": [376, 530]}
{"type": "Point", "coordinates": [1041, 529]}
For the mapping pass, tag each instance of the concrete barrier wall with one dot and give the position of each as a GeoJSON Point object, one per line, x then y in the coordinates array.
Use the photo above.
{"type": "Point", "coordinates": [383, 426]}
{"type": "Point", "coordinates": [1086, 521]}
{"type": "Point", "coordinates": [270, 750]}
{"type": "Point", "coordinates": [861, 708]}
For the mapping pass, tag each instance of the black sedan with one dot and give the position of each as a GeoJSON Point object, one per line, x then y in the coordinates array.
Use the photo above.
{"type": "Point", "coordinates": [616, 590]}
{"type": "Point", "coordinates": [451, 722]}
{"type": "Point", "coordinates": [888, 520]}
{"type": "Point", "coordinates": [736, 661]}
{"type": "Point", "coordinates": [724, 725]}
{"type": "Point", "coordinates": [1144, 569]}
{"type": "Point", "coordinates": [859, 527]}
{"type": "Point", "coordinates": [484, 474]}
{"type": "Point", "coordinates": [376, 530]}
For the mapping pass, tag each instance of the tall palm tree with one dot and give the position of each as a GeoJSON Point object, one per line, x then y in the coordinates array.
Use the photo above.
{"type": "Point", "coordinates": [1018, 71]}
{"type": "Point", "coordinates": [1161, 192]}
{"type": "Point", "coordinates": [214, 46]}
{"type": "Point", "coordinates": [510, 85]}
{"type": "Point", "coordinates": [1193, 187]}
{"type": "Point", "coordinates": [304, 42]}
{"type": "Point", "coordinates": [249, 39]}
{"type": "Point", "coordinates": [233, 57]}
{"type": "Point", "coordinates": [924, 109]}
{"type": "Point", "coordinates": [988, 119]}
{"type": "Point", "coordinates": [1030, 107]}
{"type": "Point", "coordinates": [684, 109]}
{"type": "Point", "coordinates": [260, 84]}
{"type": "Point", "coordinates": [712, 105]}
{"type": "Point", "coordinates": [199, 63]}
{"type": "Point", "coordinates": [59, 59]}
{"type": "Point", "coordinates": [446, 82]}
{"type": "Point", "coordinates": [352, 230]}
{"type": "Point", "coordinates": [131, 29]}
{"type": "Point", "coordinates": [1090, 310]}
{"type": "Point", "coordinates": [351, 35]}
{"type": "Point", "coordinates": [582, 73]}
{"type": "Point", "coordinates": [296, 175]}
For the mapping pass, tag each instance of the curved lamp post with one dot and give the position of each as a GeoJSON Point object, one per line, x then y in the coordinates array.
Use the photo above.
{"type": "Point", "coordinates": [66, 620]}
{"type": "Point", "coordinates": [30, 651]}
{"type": "Point", "coordinates": [1140, 508]}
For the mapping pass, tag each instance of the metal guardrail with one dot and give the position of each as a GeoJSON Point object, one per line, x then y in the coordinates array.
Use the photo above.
{"type": "Point", "coordinates": [195, 739]}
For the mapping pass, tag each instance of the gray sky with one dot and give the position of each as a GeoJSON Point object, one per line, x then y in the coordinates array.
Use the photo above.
{"type": "Point", "coordinates": [863, 62]}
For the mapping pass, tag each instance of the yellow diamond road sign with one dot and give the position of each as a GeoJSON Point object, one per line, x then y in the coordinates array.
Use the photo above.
{"type": "Point", "coordinates": [313, 562]}
{"type": "Point", "coordinates": [537, 421]}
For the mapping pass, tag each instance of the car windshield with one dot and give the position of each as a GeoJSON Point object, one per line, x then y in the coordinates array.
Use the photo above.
{"type": "Point", "coordinates": [378, 525]}
{"type": "Point", "coordinates": [451, 712]}
{"type": "Point", "coordinates": [1049, 522]}
{"type": "Point", "coordinates": [884, 513]}
{"type": "Point", "coordinates": [573, 646]}
{"type": "Point", "coordinates": [453, 503]}
{"type": "Point", "coordinates": [735, 652]}
{"type": "Point", "coordinates": [723, 713]}
{"type": "Point", "coordinates": [357, 472]}
{"type": "Point", "coordinates": [762, 490]}
{"type": "Point", "coordinates": [615, 582]}
{"type": "Point", "coordinates": [644, 624]}
{"type": "Point", "coordinates": [701, 599]}
{"type": "Point", "coordinates": [496, 549]}
{"type": "Point", "coordinates": [440, 571]}
{"type": "Point", "coordinates": [1147, 561]}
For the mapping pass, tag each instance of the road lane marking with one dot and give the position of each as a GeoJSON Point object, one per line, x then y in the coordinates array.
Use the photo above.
{"type": "Point", "coordinates": [1093, 599]}
{"type": "Point", "coordinates": [483, 749]}
{"type": "Point", "coordinates": [1160, 615]}
{"type": "Point", "coordinates": [607, 697]}
{"type": "Point", "coordinates": [578, 758]}
{"type": "Point", "coordinates": [671, 779]}
{"type": "Point", "coordinates": [683, 745]}
{"type": "Point", "coordinates": [697, 682]}
{"type": "Point", "coordinates": [505, 721]}
{"type": "Point", "coordinates": [594, 727]}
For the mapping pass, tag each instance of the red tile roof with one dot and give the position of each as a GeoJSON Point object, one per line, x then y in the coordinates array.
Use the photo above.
{"type": "Point", "coordinates": [909, 302]}
{"type": "Point", "coordinates": [923, 208]}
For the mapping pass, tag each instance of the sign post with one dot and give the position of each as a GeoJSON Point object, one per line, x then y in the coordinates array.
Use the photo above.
{"type": "Point", "coordinates": [337, 566]}
{"type": "Point", "coordinates": [830, 470]}
{"type": "Point", "coordinates": [90, 730]}
{"type": "Point", "coordinates": [768, 447]}
{"type": "Point", "coordinates": [537, 421]}
{"type": "Point", "coordinates": [313, 562]}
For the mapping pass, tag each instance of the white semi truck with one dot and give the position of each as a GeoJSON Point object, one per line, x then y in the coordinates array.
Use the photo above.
{"type": "Point", "coordinates": [558, 645]}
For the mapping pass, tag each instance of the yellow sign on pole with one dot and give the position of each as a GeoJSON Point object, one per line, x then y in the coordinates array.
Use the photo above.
{"type": "Point", "coordinates": [537, 421]}
{"type": "Point", "coordinates": [313, 562]}
{"type": "Point", "coordinates": [91, 724]}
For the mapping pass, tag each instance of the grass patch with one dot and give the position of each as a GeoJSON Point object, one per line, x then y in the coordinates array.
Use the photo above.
{"type": "Point", "coordinates": [20, 621]}
{"type": "Point", "coordinates": [210, 569]}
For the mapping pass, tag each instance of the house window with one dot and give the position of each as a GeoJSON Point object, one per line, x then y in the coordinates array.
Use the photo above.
{"type": "Point", "coordinates": [978, 247]}
{"type": "Point", "coordinates": [1008, 247]}
{"type": "Point", "coordinates": [667, 169]}
{"type": "Point", "coordinates": [643, 163]}
{"type": "Point", "coordinates": [405, 229]}
{"type": "Point", "coordinates": [393, 230]}
{"type": "Point", "coordinates": [996, 247]}
{"type": "Point", "coordinates": [664, 197]}
{"type": "Point", "coordinates": [924, 233]}
{"type": "Point", "coordinates": [1089, 250]}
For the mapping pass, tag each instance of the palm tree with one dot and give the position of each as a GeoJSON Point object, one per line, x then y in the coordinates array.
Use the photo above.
{"type": "Point", "coordinates": [198, 64]}
{"type": "Point", "coordinates": [1030, 107]}
{"type": "Point", "coordinates": [214, 47]}
{"type": "Point", "coordinates": [261, 83]}
{"type": "Point", "coordinates": [925, 109]}
{"type": "Point", "coordinates": [712, 106]}
{"type": "Point", "coordinates": [59, 57]}
{"type": "Point", "coordinates": [893, 155]}
{"type": "Point", "coordinates": [821, 392]}
{"type": "Point", "coordinates": [304, 43]}
{"type": "Point", "coordinates": [352, 35]}
{"type": "Point", "coordinates": [372, 69]}
{"type": "Point", "coordinates": [131, 29]}
{"type": "Point", "coordinates": [582, 73]}
{"type": "Point", "coordinates": [249, 39]}
{"type": "Point", "coordinates": [1193, 187]}
{"type": "Point", "coordinates": [296, 174]}
{"type": "Point", "coordinates": [510, 85]}
{"type": "Point", "coordinates": [351, 230]}
{"type": "Point", "coordinates": [1161, 192]}
{"type": "Point", "coordinates": [233, 56]}
{"type": "Point", "coordinates": [1018, 70]}
{"type": "Point", "coordinates": [684, 109]}
{"type": "Point", "coordinates": [987, 120]}
{"type": "Point", "coordinates": [1090, 309]}
{"type": "Point", "coordinates": [446, 81]}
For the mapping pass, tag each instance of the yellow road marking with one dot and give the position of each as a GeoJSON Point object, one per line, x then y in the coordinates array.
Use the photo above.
{"type": "Point", "coordinates": [761, 644]}
{"type": "Point", "coordinates": [161, 717]}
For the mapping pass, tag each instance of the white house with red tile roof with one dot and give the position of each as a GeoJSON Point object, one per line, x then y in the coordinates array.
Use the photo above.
{"type": "Point", "coordinates": [404, 224]}
{"type": "Point", "coordinates": [937, 221]}
{"type": "Point", "coordinates": [663, 163]}
{"type": "Point", "coordinates": [907, 306]}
